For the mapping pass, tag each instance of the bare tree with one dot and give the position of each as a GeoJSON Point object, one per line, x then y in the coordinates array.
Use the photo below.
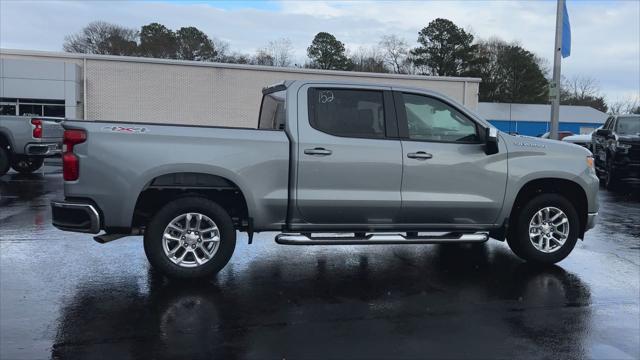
{"type": "Point", "coordinates": [626, 106]}
{"type": "Point", "coordinates": [277, 53]}
{"type": "Point", "coordinates": [582, 90]}
{"type": "Point", "coordinates": [263, 58]}
{"type": "Point", "coordinates": [395, 52]}
{"type": "Point", "coordinates": [368, 60]}
{"type": "Point", "coordinates": [100, 37]}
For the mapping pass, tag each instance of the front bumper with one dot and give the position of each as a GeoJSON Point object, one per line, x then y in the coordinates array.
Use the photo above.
{"type": "Point", "coordinates": [627, 170]}
{"type": "Point", "coordinates": [75, 216]}
{"type": "Point", "coordinates": [43, 149]}
{"type": "Point", "coordinates": [591, 221]}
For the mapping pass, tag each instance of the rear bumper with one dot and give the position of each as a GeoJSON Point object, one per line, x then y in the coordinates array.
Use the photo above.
{"type": "Point", "coordinates": [591, 221]}
{"type": "Point", "coordinates": [75, 216]}
{"type": "Point", "coordinates": [42, 149]}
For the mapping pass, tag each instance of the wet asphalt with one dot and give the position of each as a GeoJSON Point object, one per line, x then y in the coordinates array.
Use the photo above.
{"type": "Point", "coordinates": [64, 296]}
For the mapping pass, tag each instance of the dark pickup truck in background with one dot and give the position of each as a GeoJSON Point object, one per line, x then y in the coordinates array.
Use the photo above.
{"type": "Point", "coordinates": [616, 150]}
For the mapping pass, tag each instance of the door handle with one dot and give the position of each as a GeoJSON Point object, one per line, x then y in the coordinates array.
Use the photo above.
{"type": "Point", "coordinates": [420, 155]}
{"type": "Point", "coordinates": [318, 151]}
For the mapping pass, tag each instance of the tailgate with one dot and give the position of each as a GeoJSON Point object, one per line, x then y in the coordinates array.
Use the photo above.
{"type": "Point", "coordinates": [52, 128]}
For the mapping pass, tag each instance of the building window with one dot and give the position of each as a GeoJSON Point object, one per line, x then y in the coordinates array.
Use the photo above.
{"type": "Point", "coordinates": [32, 107]}
{"type": "Point", "coordinates": [29, 110]}
{"type": "Point", "coordinates": [7, 109]}
{"type": "Point", "coordinates": [53, 111]}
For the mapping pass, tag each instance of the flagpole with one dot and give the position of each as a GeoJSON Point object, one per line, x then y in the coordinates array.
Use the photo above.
{"type": "Point", "coordinates": [554, 91]}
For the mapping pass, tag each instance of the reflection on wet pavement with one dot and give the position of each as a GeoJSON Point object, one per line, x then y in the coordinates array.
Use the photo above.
{"type": "Point", "coordinates": [65, 296]}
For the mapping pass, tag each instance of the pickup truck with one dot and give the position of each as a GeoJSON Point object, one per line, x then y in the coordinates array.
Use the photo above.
{"type": "Point", "coordinates": [329, 163]}
{"type": "Point", "coordinates": [616, 149]}
{"type": "Point", "coordinates": [26, 141]}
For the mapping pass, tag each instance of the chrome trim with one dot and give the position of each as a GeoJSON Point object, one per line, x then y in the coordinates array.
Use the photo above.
{"type": "Point", "coordinates": [94, 217]}
{"type": "Point", "coordinates": [591, 220]}
{"type": "Point", "coordinates": [379, 239]}
{"type": "Point", "coordinates": [51, 149]}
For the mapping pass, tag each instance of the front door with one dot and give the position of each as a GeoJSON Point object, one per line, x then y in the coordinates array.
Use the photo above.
{"type": "Point", "coordinates": [448, 178]}
{"type": "Point", "coordinates": [349, 171]}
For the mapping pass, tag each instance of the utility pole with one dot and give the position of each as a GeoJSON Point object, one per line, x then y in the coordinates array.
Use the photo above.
{"type": "Point", "coordinates": [554, 88]}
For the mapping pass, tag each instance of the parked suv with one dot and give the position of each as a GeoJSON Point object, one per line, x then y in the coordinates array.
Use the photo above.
{"type": "Point", "coordinates": [368, 164]}
{"type": "Point", "coordinates": [616, 149]}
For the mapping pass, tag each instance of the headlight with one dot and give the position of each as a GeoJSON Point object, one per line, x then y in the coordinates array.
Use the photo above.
{"type": "Point", "coordinates": [590, 164]}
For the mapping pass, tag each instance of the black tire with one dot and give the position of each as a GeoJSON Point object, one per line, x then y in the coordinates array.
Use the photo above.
{"type": "Point", "coordinates": [610, 181]}
{"type": "Point", "coordinates": [5, 161]}
{"type": "Point", "coordinates": [26, 164]}
{"type": "Point", "coordinates": [154, 236]}
{"type": "Point", "coordinates": [518, 238]}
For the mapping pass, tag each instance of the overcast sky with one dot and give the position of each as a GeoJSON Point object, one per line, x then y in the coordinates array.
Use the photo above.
{"type": "Point", "coordinates": [605, 34]}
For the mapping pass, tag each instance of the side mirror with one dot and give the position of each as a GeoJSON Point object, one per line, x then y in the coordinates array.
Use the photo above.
{"type": "Point", "coordinates": [603, 132]}
{"type": "Point", "coordinates": [491, 141]}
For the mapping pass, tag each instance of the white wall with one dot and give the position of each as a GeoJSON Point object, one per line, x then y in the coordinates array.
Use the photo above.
{"type": "Point", "coordinates": [42, 79]}
{"type": "Point", "coordinates": [186, 92]}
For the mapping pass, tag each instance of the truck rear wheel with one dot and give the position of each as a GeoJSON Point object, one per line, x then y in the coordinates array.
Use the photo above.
{"type": "Point", "coordinates": [4, 161]}
{"type": "Point", "coordinates": [546, 229]}
{"type": "Point", "coordinates": [26, 164]}
{"type": "Point", "coordinates": [190, 238]}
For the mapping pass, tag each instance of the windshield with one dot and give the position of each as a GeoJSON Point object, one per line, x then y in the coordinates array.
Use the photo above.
{"type": "Point", "coordinates": [628, 126]}
{"type": "Point", "coordinates": [272, 111]}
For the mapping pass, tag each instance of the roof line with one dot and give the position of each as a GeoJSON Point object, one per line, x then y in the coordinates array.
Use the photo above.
{"type": "Point", "coordinates": [78, 56]}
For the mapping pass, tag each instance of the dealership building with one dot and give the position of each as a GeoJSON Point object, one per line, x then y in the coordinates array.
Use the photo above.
{"type": "Point", "coordinates": [101, 87]}
{"type": "Point", "coordinates": [533, 119]}
{"type": "Point", "coordinates": [118, 88]}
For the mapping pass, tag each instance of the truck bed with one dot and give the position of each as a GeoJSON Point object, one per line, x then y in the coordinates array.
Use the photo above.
{"type": "Point", "coordinates": [125, 158]}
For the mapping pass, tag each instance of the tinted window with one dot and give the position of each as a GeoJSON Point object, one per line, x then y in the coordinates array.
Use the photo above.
{"type": "Point", "coordinates": [432, 120]}
{"type": "Point", "coordinates": [350, 113]}
{"type": "Point", "coordinates": [272, 111]}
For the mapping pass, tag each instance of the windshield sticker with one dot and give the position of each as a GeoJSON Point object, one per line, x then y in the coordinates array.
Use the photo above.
{"type": "Point", "coordinates": [325, 96]}
{"type": "Point", "coordinates": [125, 129]}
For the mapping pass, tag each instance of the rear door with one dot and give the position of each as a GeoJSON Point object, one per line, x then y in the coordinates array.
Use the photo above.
{"type": "Point", "coordinates": [349, 158]}
{"type": "Point", "coordinates": [448, 178]}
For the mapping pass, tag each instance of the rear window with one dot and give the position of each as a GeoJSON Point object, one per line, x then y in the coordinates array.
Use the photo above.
{"type": "Point", "coordinates": [272, 111]}
{"type": "Point", "coordinates": [347, 113]}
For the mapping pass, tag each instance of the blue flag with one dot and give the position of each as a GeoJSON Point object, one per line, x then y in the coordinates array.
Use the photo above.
{"type": "Point", "coordinates": [566, 33]}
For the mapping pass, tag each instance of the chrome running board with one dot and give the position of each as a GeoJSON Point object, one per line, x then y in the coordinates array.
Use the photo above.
{"type": "Point", "coordinates": [379, 239]}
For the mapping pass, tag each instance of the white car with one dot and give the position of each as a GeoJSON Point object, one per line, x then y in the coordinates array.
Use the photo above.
{"type": "Point", "coordinates": [583, 140]}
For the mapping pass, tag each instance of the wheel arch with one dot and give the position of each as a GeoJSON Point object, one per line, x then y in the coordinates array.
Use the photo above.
{"type": "Point", "coordinates": [569, 189]}
{"type": "Point", "coordinates": [166, 187]}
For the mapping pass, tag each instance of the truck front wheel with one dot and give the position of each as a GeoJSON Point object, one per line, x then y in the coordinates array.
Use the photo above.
{"type": "Point", "coordinates": [4, 160]}
{"type": "Point", "coordinates": [546, 229]}
{"type": "Point", "coordinates": [26, 164]}
{"type": "Point", "coordinates": [191, 237]}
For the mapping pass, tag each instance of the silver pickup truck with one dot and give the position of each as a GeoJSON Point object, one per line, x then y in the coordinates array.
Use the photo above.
{"type": "Point", "coordinates": [25, 141]}
{"type": "Point", "coordinates": [328, 164]}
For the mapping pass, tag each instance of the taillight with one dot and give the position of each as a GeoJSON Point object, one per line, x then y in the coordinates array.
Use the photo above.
{"type": "Point", "coordinates": [70, 162]}
{"type": "Point", "coordinates": [37, 128]}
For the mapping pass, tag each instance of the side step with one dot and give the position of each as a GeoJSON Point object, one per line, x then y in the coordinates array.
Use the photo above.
{"type": "Point", "coordinates": [380, 239]}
